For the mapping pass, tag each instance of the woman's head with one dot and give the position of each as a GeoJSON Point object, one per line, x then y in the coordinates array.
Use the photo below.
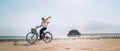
{"type": "Point", "coordinates": [43, 19]}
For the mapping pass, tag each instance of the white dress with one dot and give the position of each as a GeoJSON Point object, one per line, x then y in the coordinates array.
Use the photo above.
{"type": "Point", "coordinates": [43, 25]}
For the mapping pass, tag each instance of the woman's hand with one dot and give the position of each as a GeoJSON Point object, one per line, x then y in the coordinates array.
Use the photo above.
{"type": "Point", "coordinates": [49, 17]}
{"type": "Point", "coordinates": [37, 26]}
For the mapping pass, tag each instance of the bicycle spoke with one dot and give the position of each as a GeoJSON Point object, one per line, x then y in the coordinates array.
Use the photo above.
{"type": "Point", "coordinates": [31, 37]}
{"type": "Point", "coordinates": [47, 37]}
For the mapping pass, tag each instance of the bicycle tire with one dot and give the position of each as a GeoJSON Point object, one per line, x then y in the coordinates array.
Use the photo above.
{"type": "Point", "coordinates": [44, 37]}
{"type": "Point", "coordinates": [34, 40]}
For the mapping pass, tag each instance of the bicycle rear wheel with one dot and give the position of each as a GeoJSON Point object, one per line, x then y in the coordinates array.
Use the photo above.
{"type": "Point", "coordinates": [47, 38]}
{"type": "Point", "coordinates": [31, 37]}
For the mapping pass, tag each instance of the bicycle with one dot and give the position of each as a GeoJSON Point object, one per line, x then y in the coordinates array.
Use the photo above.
{"type": "Point", "coordinates": [33, 36]}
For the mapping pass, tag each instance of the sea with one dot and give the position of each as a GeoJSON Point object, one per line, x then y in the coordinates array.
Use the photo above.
{"type": "Point", "coordinates": [100, 35]}
{"type": "Point", "coordinates": [12, 37]}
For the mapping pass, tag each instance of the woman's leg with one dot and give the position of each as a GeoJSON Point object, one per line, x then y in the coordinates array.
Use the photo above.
{"type": "Point", "coordinates": [41, 32]}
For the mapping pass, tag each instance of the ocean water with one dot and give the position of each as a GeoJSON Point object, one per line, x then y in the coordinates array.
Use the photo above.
{"type": "Point", "coordinates": [115, 35]}
{"type": "Point", "coordinates": [82, 36]}
{"type": "Point", "coordinates": [24, 37]}
{"type": "Point", "coordinates": [12, 37]}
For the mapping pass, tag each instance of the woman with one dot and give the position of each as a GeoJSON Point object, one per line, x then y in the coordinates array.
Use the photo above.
{"type": "Point", "coordinates": [44, 25]}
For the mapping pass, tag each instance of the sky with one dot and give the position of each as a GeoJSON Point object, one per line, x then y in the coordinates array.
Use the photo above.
{"type": "Point", "coordinates": [17, 17]}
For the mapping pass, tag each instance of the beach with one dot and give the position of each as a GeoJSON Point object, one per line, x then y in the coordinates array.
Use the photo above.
{"type": "Point", "coordinates": [63, 44]}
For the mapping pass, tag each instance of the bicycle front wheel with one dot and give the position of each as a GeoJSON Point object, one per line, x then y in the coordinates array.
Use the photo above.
{"type": "Point", "coordinates": [47, 37]}
{"type": "Point", "coordinates": [31, 37]}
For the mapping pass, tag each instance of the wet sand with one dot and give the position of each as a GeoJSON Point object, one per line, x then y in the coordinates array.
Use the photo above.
{"type": "Point", "coordinates": [63, 44]}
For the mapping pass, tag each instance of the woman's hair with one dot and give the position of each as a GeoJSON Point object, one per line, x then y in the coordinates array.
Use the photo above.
{"type": "Point", "coordinates": [43, 19]}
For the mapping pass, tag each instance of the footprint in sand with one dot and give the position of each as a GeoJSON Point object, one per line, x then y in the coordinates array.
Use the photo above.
{"type": "Point", "coordinates": [67, 48]}
{"type": "Point", "coordinates": [48, 47]}
{"type": "Point", "coordinates": [85, 48]}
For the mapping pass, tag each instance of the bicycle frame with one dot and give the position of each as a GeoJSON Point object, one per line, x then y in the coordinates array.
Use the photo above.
{"type": "Point", "coordinates": [35, 34]}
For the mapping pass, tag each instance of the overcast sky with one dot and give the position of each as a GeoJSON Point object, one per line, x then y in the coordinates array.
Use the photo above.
{"type": "Point", "coordinates": [17, 17]}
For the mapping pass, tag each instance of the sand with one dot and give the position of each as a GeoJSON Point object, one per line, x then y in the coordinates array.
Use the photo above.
{"type": "Point", "coordinates": [63, 45]}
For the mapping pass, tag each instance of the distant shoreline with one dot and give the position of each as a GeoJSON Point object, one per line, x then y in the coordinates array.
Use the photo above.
{"type": "Point", "coordinates": [72, 38]}
{"type": "Point", "coordinates": [3, 40]}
